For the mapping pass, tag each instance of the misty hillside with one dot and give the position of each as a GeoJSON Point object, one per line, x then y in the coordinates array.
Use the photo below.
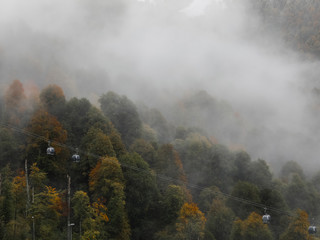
{"type": "Point", "coordinates": [186, 119]}
{"type": "Point", "coordinates": [137, 175]}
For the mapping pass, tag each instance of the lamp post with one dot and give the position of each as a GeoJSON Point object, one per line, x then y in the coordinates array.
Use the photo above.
{"type": "Point", "coordinates": [71, 225]}
{"type": "Point", "coordinates": [33, 229]}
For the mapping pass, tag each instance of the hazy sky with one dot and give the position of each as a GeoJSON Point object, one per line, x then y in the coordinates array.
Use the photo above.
{"type": "Point", "coordinates": [157, 50]}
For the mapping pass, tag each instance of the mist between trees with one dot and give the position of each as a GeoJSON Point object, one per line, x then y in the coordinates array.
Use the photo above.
{"type": "Point", "coordinates": [139, 177]}
{"type": "Point", "coordinates": [188, 117]}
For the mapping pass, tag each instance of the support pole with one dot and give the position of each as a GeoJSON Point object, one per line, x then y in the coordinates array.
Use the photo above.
{"type": "Point", "coordinates": [27, 182]}
{"type": "Point", "coordinates": [69, 204]}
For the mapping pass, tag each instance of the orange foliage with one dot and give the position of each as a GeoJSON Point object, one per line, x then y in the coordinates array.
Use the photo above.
{"type": "Point", "coordinates": [191, 211]}
{"type": "Point", "coordinates": [100, 210]}
{"type": "Point", "coordinates": [45, 125]}
{"type": "Point", "coordinates": [55, 201]}
{"type": "Point", "coordinates": [19, 183]}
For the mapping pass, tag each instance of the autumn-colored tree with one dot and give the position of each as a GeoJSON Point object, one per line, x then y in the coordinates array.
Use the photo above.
{"type": "Point", "coordinates": [191, 223]}
{"type": "Point", "coordinates": [95, 144]}
{"type": "Point", "coordinates": [20, 193]}
{"type": "Point", "coordinates": [18, 227]}
{"type": "Point", "coordinates": [106, 181]}
{"type": "Point", "coordinates": [298, 227]}
{"type": "Point", "coordinates": [43, 127]}
{"type": "Point", "coordinates": [251, 228]}
{"type": "Point", "coordinates": [38, 178]}
{"type": "Point", "coordinates": [47, 210]}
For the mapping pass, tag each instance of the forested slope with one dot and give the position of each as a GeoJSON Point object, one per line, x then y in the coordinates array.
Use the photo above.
{"type": "Point", "coordinates": [139, 176]}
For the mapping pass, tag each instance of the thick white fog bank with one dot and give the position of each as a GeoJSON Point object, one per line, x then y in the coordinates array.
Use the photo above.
{"type": "Point", "coordinates": [157, 51]}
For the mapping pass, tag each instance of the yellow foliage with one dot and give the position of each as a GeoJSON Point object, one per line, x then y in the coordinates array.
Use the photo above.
{"type": "Point", "coordinates": [100, 210]}
{"type": "Point", "coordinates": [191, 211]}
{"type": "Point", "coordinates": [55, 200]}
{"type": "Point", "coordinates": [19, 183]}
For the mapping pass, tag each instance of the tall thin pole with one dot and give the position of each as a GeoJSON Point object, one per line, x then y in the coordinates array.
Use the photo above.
{"type": "Point", "coordinates": [69, 204]}
{"type": "Point", "coordinates": [27, 181]}
{"type": "Point", "coordinates": [0, 183]}
{"type": "Point", "coordinates": [33, 229]}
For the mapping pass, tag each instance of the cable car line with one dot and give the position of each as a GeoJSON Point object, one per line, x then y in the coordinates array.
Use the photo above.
{"type": "Point", "coordinates": [160, 176]}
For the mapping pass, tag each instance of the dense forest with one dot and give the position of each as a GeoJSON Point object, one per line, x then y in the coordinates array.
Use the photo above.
{"type": "Point", "coordinates": [138, 176]}
{"type": "Point", "coordinates": [74, 168]}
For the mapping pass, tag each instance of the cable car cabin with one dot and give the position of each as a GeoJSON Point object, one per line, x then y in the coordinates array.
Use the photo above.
{"type": "Point", "coordinates": [50, 151]}
{"type": "Point", "coordinates": [312, 229]}
{"type": "Point", "coordinates": [266, 218]}
{"type": "Point", "coordinates": [76, 158]}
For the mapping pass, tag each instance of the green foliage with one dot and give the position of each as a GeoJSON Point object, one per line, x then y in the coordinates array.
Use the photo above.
{"type": "Point", "coordinates": [169, 162]}
{"type": "Point", "coordinates": [206, 196]}
{"type": "Point", "coordinates": [141, 194]}
{"type": "Point", "coordinates": [218, 221]}
{"type": "Point", "coordinates": [97, 144]}
{"type": "Point", "coordinates": [9, 149]}
{"type": "Point", "coordinates": [47, 211]}
{"type": "Point", "coordinates": [173, 199]}
{"type": "Point", "coordinates": [158, 123]}
{"type": "Point", "coordinates": [289, 169]}
{"type": "Point", "coordinates": [81, 209]}
{"type": "Point", "coordinates": [123, 114]}
{"type": "Point", "coordinates": [242, 163]}
{"type": "Point", "coordinates": [247, 191]}
{"type": "Point", "coordinates": [53, 100]}
{"type": "Point", "coordinates": [145, 193]}
{"type": "Point", "coordinates": [274, 198]}
{"type": "Point", "coordinates": [76, 120]}
{"type": "Point", "coordinates": [145, 150]}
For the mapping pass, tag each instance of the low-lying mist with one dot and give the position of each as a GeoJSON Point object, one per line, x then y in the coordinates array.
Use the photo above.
{"type": "Point", "coordinates": [160, 51]}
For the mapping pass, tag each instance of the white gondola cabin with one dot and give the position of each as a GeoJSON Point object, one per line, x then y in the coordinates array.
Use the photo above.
{"type": "Point", "coordinates": [76, 157]}
{"type": "Point", "coordinates": [266, 219]}
{"type": "Point", "coordinates": [50, 150]}
{"type": "Point", "coordinates": [312, 230]}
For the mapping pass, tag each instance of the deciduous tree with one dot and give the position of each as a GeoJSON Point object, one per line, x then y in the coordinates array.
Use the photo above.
{"type": "Point", "coordinates": [191, 223]}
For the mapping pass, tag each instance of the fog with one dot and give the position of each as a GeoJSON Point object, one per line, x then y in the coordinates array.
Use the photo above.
{"type": "Point", "coordinates": [159, 51]}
